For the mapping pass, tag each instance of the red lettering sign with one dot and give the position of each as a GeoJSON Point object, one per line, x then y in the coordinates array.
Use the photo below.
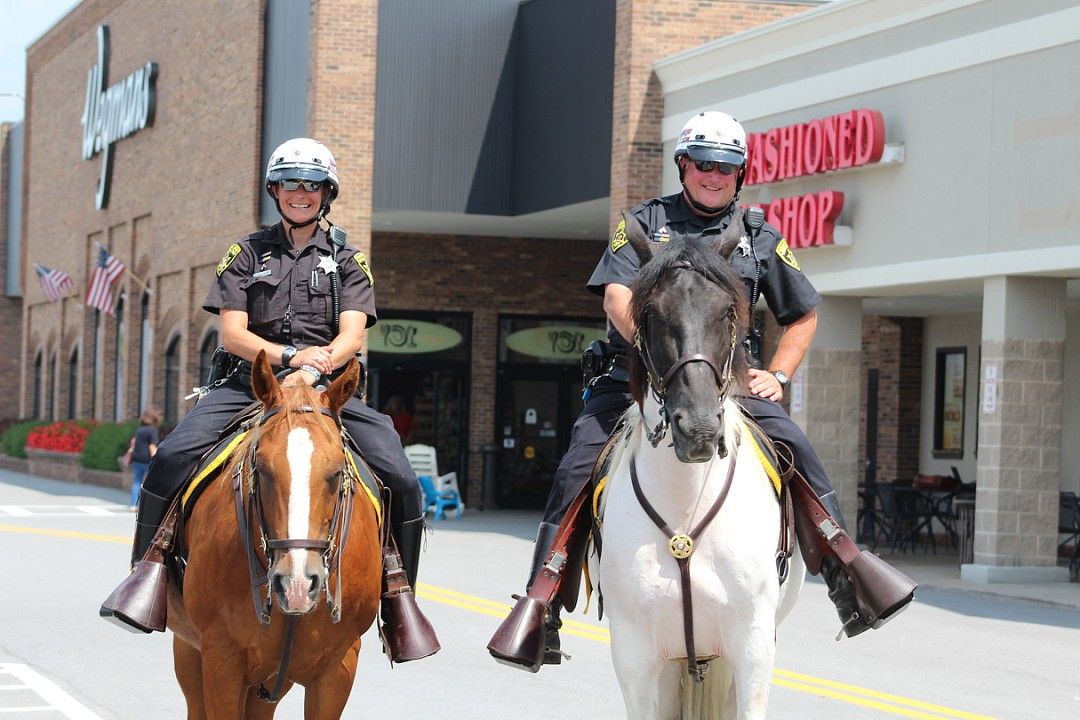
{"type": "Point", "coordinates": [806, 220]}
{"type": "Point", "coordinates": [836, 142]}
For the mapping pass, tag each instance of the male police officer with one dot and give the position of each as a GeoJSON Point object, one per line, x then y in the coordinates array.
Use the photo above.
{"type": "Point", "coordinates": [307, 302]}
{"type": "Point", "coordinates": [711, 157]}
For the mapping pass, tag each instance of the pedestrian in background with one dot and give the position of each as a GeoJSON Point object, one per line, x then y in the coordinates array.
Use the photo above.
{"type": "Point", "coordinates": [142, 447]}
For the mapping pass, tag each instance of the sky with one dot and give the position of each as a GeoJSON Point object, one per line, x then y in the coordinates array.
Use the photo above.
{"type": "Point", "coordinates": [21, 23]}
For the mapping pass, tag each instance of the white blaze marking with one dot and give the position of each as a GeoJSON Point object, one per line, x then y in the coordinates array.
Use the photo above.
{"type": "Point", "coordinates": [299, 452]}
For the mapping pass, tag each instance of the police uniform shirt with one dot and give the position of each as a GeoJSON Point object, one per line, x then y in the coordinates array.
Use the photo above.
{"type": "Point", "coordinates": [787, 290]}
{"type": "Point", "coordinates": [266, 277]}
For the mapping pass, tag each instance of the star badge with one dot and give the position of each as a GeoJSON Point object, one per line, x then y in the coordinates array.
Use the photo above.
{"type": "Point", "coordinates": [744, 246]}
{"type": "Point", "coordinates": [327, 264]}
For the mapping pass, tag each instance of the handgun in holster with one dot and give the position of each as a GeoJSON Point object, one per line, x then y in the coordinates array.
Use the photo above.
{"type": "Point", "coordinates": [222, 365]}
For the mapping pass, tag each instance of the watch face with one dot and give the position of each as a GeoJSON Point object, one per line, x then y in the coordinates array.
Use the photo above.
{"type": "Point", "coordinates": [781, 377]}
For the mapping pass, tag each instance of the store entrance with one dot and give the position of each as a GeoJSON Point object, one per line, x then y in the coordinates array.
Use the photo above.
{"type": "Point", "coordinates": [538, 398]}
{"type": "Point", "coordinates": [538, 406]}
{"type": "Point", "coordinates": [418, 375]}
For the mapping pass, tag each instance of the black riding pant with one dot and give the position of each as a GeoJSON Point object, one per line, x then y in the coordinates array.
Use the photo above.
{"type": "Point", "coordinates": [609, 401]}
{"type": "Point", "coordinates": [181, 450]}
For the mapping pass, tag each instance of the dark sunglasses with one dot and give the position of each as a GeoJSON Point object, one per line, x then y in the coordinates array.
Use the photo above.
{"type": "Point", "coordinates": [307, 185]}
{"type": "Point", "coordinates": [707, 166]}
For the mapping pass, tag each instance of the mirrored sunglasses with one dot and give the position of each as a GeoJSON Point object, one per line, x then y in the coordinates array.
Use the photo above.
{"type": "Point", "coordinates": [707, 166]}
{"type": "Point", "coordinates": [307, 185]}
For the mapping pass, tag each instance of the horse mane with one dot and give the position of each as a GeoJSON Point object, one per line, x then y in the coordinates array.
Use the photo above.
{"type": "Point", "coordinates": [711, 260]}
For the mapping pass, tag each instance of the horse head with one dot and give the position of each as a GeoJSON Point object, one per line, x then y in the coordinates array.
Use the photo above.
{"type": "Point", "coordinates": [297, 465]}
{"type": "Point", "coordinates": [689, 311]}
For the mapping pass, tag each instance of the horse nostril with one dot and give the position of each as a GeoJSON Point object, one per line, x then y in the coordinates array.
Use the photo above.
{"type": "Point", "coordinates": [313, 588]}
{"type": "Point", "coordinates": [276, 583]}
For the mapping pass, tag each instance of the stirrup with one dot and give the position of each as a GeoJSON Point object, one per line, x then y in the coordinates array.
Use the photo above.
{"type": "Point", "coordinates": [139, 603]}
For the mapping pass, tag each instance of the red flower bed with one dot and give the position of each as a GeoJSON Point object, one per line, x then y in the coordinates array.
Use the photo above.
{"type": "Point", "coordinates": [63, 436]}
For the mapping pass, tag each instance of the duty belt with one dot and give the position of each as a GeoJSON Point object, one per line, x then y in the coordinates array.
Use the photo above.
{"type": "Point", "coordinates": [618, 368]}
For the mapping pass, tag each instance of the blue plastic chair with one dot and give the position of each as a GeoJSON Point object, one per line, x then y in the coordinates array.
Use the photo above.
{"type": "Point", "coordinates": [438, 500]}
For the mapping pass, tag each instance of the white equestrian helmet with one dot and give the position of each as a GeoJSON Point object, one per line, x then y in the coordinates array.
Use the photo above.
{"type": "Point", "coordinates": [712, 135]}
{"type": "Point", "coordinates": [303, 159]}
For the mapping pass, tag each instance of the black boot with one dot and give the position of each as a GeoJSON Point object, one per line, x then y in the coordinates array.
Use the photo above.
{"type": "Point", "coordinates": [138, 604]}
{"type": "Point", "coordinates": [408, 634]}
{"type": "Point", "coordinates": [841, 590]}
{"type": "Point", "coordinates": [552, 622]}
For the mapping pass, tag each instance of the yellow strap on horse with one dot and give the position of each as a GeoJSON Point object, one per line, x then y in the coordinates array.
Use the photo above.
{"type": "Point", "coordinates": [367, 491]}
{"type": "Point", "coordinates": [217, 462]}
{"type": "Point", "coordinates": [766, 462]}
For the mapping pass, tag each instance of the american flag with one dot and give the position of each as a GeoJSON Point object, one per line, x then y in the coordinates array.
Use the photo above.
{"type": "Point", "coordinates": [53, 282]}
{"type": "Point", "coordinates": [99, 289]}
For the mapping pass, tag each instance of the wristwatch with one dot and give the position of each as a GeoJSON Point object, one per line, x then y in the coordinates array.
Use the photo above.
{"type": "Point", "coordinates": [287, 354]}
{"type": "Point", "coordinates": [781, 377]}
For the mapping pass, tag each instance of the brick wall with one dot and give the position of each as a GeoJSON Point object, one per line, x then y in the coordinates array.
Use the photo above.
{"type": "Point", "coordinates": [10, 308]}
{"type": "Point", "coordinates": [182, 190]}
{"type": "Point", "coordinates": [474, 275]}
{"type": "Point", "coordinates": [645, 31]}
{"type": "Point", "coordinates": [893, 346]}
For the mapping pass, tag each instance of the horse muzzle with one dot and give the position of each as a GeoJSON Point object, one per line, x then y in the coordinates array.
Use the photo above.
{"type": "Point", "coordinates": [696, 438]}
{"type": "Point", "coordinates": [297, 585]}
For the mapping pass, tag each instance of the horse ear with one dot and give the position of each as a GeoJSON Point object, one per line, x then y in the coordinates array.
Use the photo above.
{"type": "Point", "coordinates": [344, 387]}
{"type": "Point", "coordinates": [263, 383]}
{"type": "Point", "coordinates": [637, 237]}
{"type": "Point", "coordinates": [732, 236]}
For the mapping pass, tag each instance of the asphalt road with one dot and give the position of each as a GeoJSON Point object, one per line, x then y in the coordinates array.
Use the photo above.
{"type": "Point", "coordinates": [63, 547]}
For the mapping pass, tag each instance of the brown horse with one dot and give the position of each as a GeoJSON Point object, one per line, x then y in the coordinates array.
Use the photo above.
{"type": "Point", "coordinates": [295, 491]}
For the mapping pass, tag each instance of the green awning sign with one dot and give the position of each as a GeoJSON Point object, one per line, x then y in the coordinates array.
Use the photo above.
{"type": "Point", "coordinates": [411, 337]}
{"type": "Point", "coordinates": [564, 343]}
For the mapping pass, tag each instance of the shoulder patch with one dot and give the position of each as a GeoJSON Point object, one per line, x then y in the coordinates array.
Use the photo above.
{"type": "Point", "coordinates": [228, 258]}
{"type": "Point", "coordinates": [619, 238]}
{"type": "Point", "coordinates": [785, 254]}
{"type": "Point", "coordinates": [363, 263]}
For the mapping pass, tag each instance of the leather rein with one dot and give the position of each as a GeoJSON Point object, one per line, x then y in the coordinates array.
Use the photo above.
{"type": "Point", "coordinates": [250, 515]}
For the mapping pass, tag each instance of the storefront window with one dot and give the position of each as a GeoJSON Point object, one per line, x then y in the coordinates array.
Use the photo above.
{"type": "Point", "coordinates": [118, 372]}
{"type": "Point", "coordinates": [949, 403]}
{"type": "Point", "coordinates": [145, 346]}
{"type": "Point", "coordinates": [206, 352]}
{"type": "Point", "coordinates": [538, 396]}
{"type": "Point", "coordinates": [172, 380]}
{"type": "Point", "coordinates": [73, 384]}
{"type": "Point", "coordinates": [37, 409]}
{"type": "Point", "coordinates": [418, 374]}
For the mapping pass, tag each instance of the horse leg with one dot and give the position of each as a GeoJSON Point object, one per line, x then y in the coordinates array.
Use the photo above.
{"type": "Point", "coordinates": [224, 691]}
{"type": "Point", "coordinates": [751, 652]}
{"type": "Point", "coordinates": [325, 698]}
{"type": "Point", "coordinates": [639, 670]}
{"type": "Point", "coordinates": [187, 663]}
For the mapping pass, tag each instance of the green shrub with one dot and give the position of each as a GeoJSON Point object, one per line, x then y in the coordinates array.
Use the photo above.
{"type": "Point", "coordinates": [105, 443]}
{"type": "Point", "coordinates": [13, 441]}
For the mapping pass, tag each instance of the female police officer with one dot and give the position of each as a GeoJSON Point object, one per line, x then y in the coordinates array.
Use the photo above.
{"type": "Point", "coordinates": [711, 157]}
{"type": "Point", "coordinates": [275, 292]}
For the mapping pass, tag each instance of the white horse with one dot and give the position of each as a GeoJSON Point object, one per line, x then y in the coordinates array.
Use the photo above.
{"type": "Point", "coordinates": [686, 308]}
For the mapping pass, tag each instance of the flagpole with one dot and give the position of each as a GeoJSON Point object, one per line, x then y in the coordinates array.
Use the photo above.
{"type": "Point", "coordinates": [137, 279]}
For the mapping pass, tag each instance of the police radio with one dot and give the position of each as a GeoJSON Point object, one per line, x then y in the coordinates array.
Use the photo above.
{"type": "Point", "coordinates": [753, 219]}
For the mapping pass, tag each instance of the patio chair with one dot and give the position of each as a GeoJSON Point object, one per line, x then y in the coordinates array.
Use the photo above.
{"type": "Point", "coordinates": [437, 501]}
{"type": "Point", "coordinates": [424, 461]}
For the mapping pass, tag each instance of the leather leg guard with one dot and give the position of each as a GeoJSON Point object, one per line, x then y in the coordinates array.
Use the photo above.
{"type": "Point", "coordinates": [529, 637]}
{"type": "Point", "coordinates": [407, 633]}
{"type": "Point", "coordinates": [867, 592]}
{"type": "Point", "coordinates": [552, 623]}
{"type": "Point", "coordinates": [139, 603]}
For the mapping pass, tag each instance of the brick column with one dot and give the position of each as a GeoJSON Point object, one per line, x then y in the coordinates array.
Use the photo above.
{"type": "Point", "coordinates": [1019, 463]}
{"type": "Point", "coordinates": [341, 104]}
{"type": "Point", "coordinates": [824, 396]}
{"type": "Point", "coordinates": [646, 31]}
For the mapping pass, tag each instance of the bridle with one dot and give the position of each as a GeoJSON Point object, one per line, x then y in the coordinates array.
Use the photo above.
{"type": "Point", "coordinates": [250, 515]}
{"type": "Point", "coordinates": [659, 384]}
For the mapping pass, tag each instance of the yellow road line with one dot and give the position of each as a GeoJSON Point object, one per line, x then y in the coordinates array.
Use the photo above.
{"type": "Point", "coordinates": [832, 689]}
{"type": "Point", "coordinates": [66, 534]}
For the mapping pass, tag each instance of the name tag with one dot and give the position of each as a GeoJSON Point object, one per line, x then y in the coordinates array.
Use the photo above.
{"type": "Point", "coordinates": [261, 273]}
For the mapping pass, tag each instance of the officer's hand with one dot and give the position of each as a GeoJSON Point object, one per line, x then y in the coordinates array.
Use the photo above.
{"type": "Point", "coordinates": [317, 357]}
{"type": "Point", "coordinates": [298, 378]}
{"type": "Point", "coordinates": [764, 384]}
